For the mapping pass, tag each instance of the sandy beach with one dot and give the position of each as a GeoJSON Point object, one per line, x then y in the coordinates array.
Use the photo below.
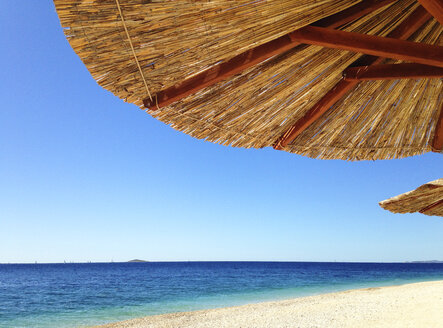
{"type": "Point", "coordinates": [412, 305]}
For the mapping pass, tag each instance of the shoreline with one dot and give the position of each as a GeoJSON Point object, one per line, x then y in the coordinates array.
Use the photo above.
{"type": "Point", "coordinates": [409, 305]}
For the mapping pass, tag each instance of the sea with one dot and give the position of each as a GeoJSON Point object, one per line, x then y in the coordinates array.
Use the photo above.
{"type": "Point", "coordinates": [82, 295]}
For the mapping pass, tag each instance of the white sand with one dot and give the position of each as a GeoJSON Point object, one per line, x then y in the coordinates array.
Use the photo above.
{"type": "Point", "coordinates": [413, 305]}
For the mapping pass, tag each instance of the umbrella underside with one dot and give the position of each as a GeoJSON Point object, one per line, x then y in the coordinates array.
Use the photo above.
{"type": "Point", "coordinates": [426, 199]}
{"type": "Point", "coordinates": [261, 73]}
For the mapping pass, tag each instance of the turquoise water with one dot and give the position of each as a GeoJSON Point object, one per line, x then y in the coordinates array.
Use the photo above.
{"type": "Point", "coordinates": [80, 295]}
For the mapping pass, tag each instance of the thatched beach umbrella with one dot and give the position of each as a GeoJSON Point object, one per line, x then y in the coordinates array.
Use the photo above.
{"type": "Point", "coordinates": [426, 199]}
{"type": "Point", "coordinates": [332, 79]}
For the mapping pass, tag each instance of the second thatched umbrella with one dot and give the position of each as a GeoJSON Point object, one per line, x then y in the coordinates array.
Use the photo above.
{"type": "Point", "coordinates": [426, 199]}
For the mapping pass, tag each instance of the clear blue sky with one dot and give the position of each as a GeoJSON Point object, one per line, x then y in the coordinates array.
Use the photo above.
{"type": "Point", "coordinates": [85, 176]}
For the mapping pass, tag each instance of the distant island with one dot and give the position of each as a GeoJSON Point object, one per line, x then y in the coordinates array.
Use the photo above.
{"type": "Point", "coordinates": [431, 261]}
{"type": "Point", "coordinates": [137, 260]}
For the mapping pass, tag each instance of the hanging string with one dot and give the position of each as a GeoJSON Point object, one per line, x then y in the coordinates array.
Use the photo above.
{"type": "Point", "coordinates": [132, 47]}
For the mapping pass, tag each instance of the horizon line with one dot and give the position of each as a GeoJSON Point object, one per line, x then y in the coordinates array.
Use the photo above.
{"type": "Point", "coordinates": [218, 261]}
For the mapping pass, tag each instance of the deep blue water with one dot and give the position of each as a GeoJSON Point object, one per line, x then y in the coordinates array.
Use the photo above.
{"type": "Point", "coordinates": [78, 295]}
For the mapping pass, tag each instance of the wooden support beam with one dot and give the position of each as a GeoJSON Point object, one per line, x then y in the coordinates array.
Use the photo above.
{"type": "Point", "coordinates": [431, 206]}
{"type": "Point", "coordinates": [348, 15]}
{"type": "Point", "coordinates": [220, 72]}
{"type": "Point", "coordinates": [391, 72]}
{"type": "Point", "coordinates": [413, 22]}
{"type": "Point", "coordinates": [434, 7]}
{"type": "Point", "coordinates": [370, 44]}
{"type": "Point", "coordinates": [437, 142]}
{"type": "Point", "coordinates": [315, 112]}
{"type": "Point", "coordinates": [254, 56]}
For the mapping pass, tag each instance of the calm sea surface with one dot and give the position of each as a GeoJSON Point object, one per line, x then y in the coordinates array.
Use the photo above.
{"type": "Point", "coordinates": [78, 295]}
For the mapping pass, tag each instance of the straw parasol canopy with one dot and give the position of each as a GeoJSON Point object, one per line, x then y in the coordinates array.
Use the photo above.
{"type": "Point", "coordinates": [426, 199]}
{"type": "Point", "coordinates": [330, 79]}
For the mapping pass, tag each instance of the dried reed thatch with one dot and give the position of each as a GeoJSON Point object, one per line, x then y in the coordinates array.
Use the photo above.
{"type": "Point", "coordinates": [137, 48]}
{"type": "Point", "coordinates": [426, 199]}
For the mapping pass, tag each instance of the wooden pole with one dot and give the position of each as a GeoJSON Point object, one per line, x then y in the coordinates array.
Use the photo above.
{"type": "Point", "coordinates": [392, 71]}
{"type": "Point", "coordinates": [431, 207]}
{"type": "Point", "coordinates": [363, 8]}
{"type": "Point", "coordinates": [413, 22]}
{"type": "Point", "coordinates": [434, 7]}
{"type": "Point", "coordinates": [437, 142]}
{"type": "Point", "coordinates": [254, 56]}
{"type": "Point", "coordinates": [421, 53]}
